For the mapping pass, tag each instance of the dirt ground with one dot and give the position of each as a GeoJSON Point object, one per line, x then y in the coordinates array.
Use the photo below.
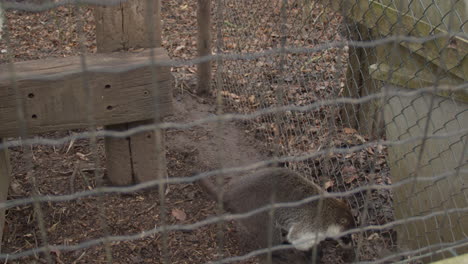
{"type": "Point", "coordinates": [72, 167]}
{"type": "Point", "coordinates": [188, 151]}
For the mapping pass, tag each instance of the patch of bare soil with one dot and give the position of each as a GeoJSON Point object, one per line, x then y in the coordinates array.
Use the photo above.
{"type": "Point", "coordinates": [216, 145]}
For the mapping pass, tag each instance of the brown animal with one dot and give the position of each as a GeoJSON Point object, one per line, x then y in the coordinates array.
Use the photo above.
{"type": "Point", "coordinates": [303, 226]}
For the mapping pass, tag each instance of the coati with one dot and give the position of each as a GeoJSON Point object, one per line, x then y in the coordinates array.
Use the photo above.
{"type": "Point", "coordinates": [303, 226]}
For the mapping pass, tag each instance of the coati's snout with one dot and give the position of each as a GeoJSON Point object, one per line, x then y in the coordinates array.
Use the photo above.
{"type": "Point", "coordinates": [348, 222]}
{"type": "Point", "coordinates": [306, 238]}
{"type": "Point", "coordinates": [347, 240]}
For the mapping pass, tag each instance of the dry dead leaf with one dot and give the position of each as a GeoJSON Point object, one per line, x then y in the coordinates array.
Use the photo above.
{"type": "Point", "coordinates": [373, 236]}
{"type": "Point", "coordinates": [179, 48]}
{"type": "Point", "coordinates": [228, 94]}
{"type": "Point", "coordinates": [380, 148]}
{"type": "Point", "coordinates": [179, 214]}
{"type": "Point", "coordinates": [348, 170]}
{"type": "Point", "coordinates": [351, 178]}
{"type": "Point", "coordinates": [348, 130]}
{"type": "Point", "coordinates": [360, 138]}
{"type": "Point", "coordinates": [82, 156]}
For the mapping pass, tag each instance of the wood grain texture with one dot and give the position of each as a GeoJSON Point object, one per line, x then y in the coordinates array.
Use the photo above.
{"type": "Point", "coordinates": [5, 171]}
{"type": "Point", "coordinates": [118, 155]}
{"type": "Point", "coordinates": [133, 24]}
{"type": "Point", "coordinates": [148, 154]}
{"type": "Point", "coordinates": [62, 101]}
{"type": "Point", "coordinates": [125, 26]}
{"type": "Point", "coordinates": [365, 117]}
{"type": "Point", "coordinates": [445, 52]}
{"type": "Point", "coordinates": [204, 45]}
{"type": "Point", "coordinates": [349, 113]}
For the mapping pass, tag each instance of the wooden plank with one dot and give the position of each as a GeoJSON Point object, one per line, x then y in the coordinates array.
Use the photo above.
{"type": "Point", "coordinates": [439, 13]}
{"type": "Point", "coordinates": [5, 172]}
{"type": "Point", "coordinates": [454, 260]}
{"type": "Point", "coordinates": [386, 21]}
{"type": "Point", "coordinates": [133, 24]}
{"type": "Point", "coordinates": [405, 116]}
{"type": "Point", "coordinates": [204, 45]}
{"type": "Point", "coordinates": [403, 77]}
{"type": "Point", "coordinates": [118, 156]}
{"type": "Point", "coordinates": [60, 102]}
{"type": "Point", "coordinates": [152, 148]}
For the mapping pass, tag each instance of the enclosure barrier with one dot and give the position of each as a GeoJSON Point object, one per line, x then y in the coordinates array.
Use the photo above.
{"type": "Point", "coordinates": [396, 102]}
{"type": "Point", "coordinates": [396, 66]}
{"type": "Point", "coordinates": [392, 67]}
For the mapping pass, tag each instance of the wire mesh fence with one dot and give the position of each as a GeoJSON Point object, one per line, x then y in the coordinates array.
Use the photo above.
{"type": "Point", "coordinates": [365, 98]}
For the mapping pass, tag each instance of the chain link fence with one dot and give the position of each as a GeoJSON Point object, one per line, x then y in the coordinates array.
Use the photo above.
{"type": "Point", "coordinates": [366, 98]}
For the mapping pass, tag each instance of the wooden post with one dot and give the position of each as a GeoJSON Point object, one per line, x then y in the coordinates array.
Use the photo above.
{"type": "Point", "coordinates": [366, 117]}
{"type": "Point", "coordinates": [204, 45]}
{"type": "Point", "coordinates": [4, 185]}
{"type": "Point", "coordinates": [137, 158]}
{"type": "Point", "coordinates": [1, 21]}
{"type": "Point", "coordinates": [307, 10]}
{"type": "Point", "coordinates": [4, 167]}
{"type": "Point", "coordinates": [124, 26]}
{"type": "Point", "coordinates": [349, 113]}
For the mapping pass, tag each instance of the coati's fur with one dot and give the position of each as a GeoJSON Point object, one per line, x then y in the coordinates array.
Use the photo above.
{"type": "Point", "coordinates": [303, 226]}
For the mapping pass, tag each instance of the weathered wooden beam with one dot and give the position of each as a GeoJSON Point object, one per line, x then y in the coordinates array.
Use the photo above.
{"type": "Point", "coordinates": [124, 26]}
{"type": "Point", "coordinates": [454, 260]}
{"type": "Point", "coordinates": [365, 117]}
{"type": "Point", "coordinates": [404, 77]}
{"type": "Point", "coordinates": [5, 171]}
{"type": "Point", "coordinates": [386, 21]}
{"type": "Point", "coordinates": [204, 45]}
{"type": "Point", "coordinates": [1, 21]}
{"type": "Point", "coordinates": [132, 24]}
{"type": "Point", "coordinates": [56, 99]}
